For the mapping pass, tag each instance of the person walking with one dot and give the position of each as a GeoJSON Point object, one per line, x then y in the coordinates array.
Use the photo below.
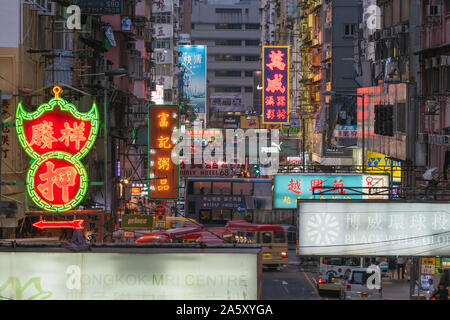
{"type": "Point", "coordinates": [391, 268]}
{"type": "Point", "coordinates": [401, 265]}
{"type": "Point", "coordinates": [431, 289]}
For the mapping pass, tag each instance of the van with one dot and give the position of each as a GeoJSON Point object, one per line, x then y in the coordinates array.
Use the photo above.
{"type": "Point", "coordinates": [355, 287]}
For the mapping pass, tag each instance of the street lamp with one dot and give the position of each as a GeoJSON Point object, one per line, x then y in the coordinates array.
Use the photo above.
{"type": "Point", "coordinates": [107, 73]}
{"type": "Point", "coordinates": [333, 93]}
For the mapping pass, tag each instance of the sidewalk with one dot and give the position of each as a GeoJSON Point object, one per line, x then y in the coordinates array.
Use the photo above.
{"type": "Point", "coordinates": [395, 289]}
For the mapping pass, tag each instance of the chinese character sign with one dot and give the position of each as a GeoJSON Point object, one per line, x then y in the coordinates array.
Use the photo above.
{"type": "Point", "coordinates": [275, 98]}
{"type": "Point", "coordinates": [163, 173]}
{"type": "Point", "coordinates": [56, 136]}
{"type": "Point", "coordinates": [378, 228]}
{"type": "Point", "coordinates": [193, 76]}
{"type": "Point", "coordinates": [290, 188]}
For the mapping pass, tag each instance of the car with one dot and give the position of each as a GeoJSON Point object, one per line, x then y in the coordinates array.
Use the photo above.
{"type": "Point", "coordinates": [355, 287]}
{"type": "Point", "coordinates": [291, 232]}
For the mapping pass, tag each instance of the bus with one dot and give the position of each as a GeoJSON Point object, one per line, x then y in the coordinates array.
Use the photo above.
{"type": "Point", "coordinates": [271, 237]}
{"type": "Point", "coordinates": [332, 271]}
{"type": "Point", "coordinates": [214, 201]}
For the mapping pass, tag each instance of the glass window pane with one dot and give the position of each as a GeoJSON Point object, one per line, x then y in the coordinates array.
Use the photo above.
{"type": "Point", "coordinates": [202, 187]}
{"type": "Point", "coordinates": [243, 188]}
{"type": "Point", "coordinates": [279, 237]}
{"type": "Point", "coordinates": [222, 188]}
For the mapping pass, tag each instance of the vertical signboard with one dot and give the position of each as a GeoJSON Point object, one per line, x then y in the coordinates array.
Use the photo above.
{"type": "Point", "coordinates": [193, 76]}
{"type": "Point", "coordinates": [163, 173]}
{"type": "Point", "coordinates": [275, 66]}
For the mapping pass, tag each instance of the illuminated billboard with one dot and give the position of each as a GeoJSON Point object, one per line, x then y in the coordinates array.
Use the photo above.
{"type": "Point", "coordinates": [287, 188]}
{"type": "Point", "coordinates": [275, 99]}
{"type": "Point", "coordinates": [56, 136]}
{"type": "Point", "coordinates": [193, 76]}
{"type": "Point", "coordinates": [164, 175]}
{"type": "Point", "coordinates": [129, 276]}
{"type": "Point", "coordinates": [373, 228]}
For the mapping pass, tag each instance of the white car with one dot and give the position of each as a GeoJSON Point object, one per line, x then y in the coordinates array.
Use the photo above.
{"type": "Point", "coordinates": [355, 287]}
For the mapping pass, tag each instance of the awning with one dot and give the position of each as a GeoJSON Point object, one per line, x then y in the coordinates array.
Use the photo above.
{"type": "Point", "coordinates": [429, 50]}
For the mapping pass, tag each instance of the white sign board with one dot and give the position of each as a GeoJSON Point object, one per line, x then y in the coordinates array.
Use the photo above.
{"type": "Point", "coordinates": [428, 269]}
{"type": "Point", "coordinates": [162, 6]}
{"type": "Point", "coordinates": [375, 228]}
{"type": "Point", "coordinates": [162, 30]}
{"type": "Point", "coordinates": [125, 276]}
{"type": "Point", "coordinates": [163, 56]}
{"type": "Point", "coordinates": [165, 81]}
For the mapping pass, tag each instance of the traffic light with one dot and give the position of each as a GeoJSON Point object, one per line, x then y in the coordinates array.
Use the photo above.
{"type": "Point", "coordinates": [256, 168]}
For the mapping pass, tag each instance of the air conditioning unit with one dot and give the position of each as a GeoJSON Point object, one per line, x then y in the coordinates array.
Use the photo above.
{"type": "Point", "coordinates": [445, 60]}
{"type": "Point", "coordinates": [431, 106]}
{"type": "Point", "coordinates": [433, 10]}
{"type": "Point", "coordinates": [405, 28]}
{"type": "Point", "coordinates": [422, 137]}
{"type": "Point", "coordinates": [435, 62]}
{"type": "Point", "coordinates": [49, 8]}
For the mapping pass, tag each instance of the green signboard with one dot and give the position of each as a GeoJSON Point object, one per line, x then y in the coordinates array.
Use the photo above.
{"type": "Point", "coordinates": [137, 222]}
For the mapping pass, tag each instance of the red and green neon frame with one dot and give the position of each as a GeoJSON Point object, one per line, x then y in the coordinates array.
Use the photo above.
{"type": "Point", "coordinates": [91, 116]}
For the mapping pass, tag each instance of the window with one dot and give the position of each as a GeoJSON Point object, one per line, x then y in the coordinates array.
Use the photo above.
{"type": "Point", "coordinates": [279, 237]}
{"type": "Point", "coordinates": [242, 188]}
{"type": "Point", "coordinates": [349, 29]}
{"type": "Point", "coordinates": [228, 10]}
{"type": "Point", "coordinates": [447, 5]}
{"type": "Point", "coordinates": [193, 26]}
{"type": "Point", "coordinates": [233, 26]}
{"type": "Point", "coordinates": [226, 73]}
{"type": "Point", "coordinates": [251, 58]}
{"type": "Point", "coordinates": [447, 75]}
{"type": "Point", "coordinates": [227, 58]}
{"type": "Point", "coordinates": [248, 89]}
{"type": "Point", "coordinates": [163, 17]}
{"type": "Point", "coordinates": [252, 26]}
{"type": "Point", "coordinates": [222, 188]}
{"type": "Point", "coordinates": [359, 277]}
{"type": "Point", "coordinates": [400, 117]}
{"type": "Point", "coordinates": [435, 80]}
{"type": "Point", "coordinates": [249, 73]}
{"type": "Point", "coordinates": [252, 43]}
{"type": "Point", "coordinates": [228, 42]}
{"type": "Point", "coordinates": [228, 89]}
{"type": "Point", "coordinates": [266, 237]}
{"type": "Point", "coordinates": [383, 120]}
{"type": "Point", "coordinates": [202, 187]}
{"type": "Point", "coordinates": [163, 44]}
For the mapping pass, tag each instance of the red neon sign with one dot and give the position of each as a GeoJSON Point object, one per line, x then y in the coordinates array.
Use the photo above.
{"type": "Point", "coordinates": [74, 224]}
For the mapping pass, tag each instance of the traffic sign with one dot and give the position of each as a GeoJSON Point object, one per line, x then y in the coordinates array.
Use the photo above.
{"type": "Point", "coordinates": [75, 224]}
{"type": "Point", "coordinates": [241, 209]}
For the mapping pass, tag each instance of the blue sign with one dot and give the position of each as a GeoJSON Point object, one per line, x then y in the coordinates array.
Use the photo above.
{"type": "Point", "coordinates": [241, 208]}
{"type": "Point", "coordinates": [193, 76]}
{"type": "Point", "coordinates": [288, 188]}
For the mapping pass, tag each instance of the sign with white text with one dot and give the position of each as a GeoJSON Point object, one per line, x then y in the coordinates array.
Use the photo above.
{"type": "Point", "coordinates": [375, 228]}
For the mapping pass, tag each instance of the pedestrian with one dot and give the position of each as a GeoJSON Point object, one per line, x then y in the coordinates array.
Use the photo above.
{"type": "Point", "coordinates": [431, 288]}
{"type": "Point", "coordinates": [391, 268]}
{"type": "Point", "coordinates": [442, 293]}
{"type": "Point", "coordinates": [400, 265]}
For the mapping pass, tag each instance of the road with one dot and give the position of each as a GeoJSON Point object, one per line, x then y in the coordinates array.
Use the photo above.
{"type": "Point", "coordinates": [290, 283]}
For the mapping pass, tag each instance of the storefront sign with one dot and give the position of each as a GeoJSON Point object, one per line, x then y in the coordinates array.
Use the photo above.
{"type": "Point", "coordinates": [231, 122]}
{"type": "Point", "coordinates": [288, 188]}
{"type": "Point", "coordinates": [376, 228]}
{"type": "Point", "coordinates": [164, 175]}
{"type": "Point", "coordinates": [226, 103]}
{"type": "Point", "coordinates": [275, 66]}
{"type": "Point", "coordinates": [137, 221]}
{"type": "Point", "coordinates": [99, 6]}
{"type": "Point", "coordinates": [206, 169]}
{"type": "Point", "coordinates": [163, 56]}
{"type": "Point", "coordinates": [380, 163]}
{"type": "Point", "coordinates": [129, 276]}
{"type": "Point", "coordinates": [162, 6]}
{"type": "Point", "coordinates": [56, 136]}
{"type": "Point", "coordinates": [225, 202]}
{"type": "Point", "coordinates": [249, 122]}
{"type": "Point", "coordinates": [162, 31]}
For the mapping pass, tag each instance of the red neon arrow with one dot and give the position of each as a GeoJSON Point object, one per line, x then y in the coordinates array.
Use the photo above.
{"type": "Point", "coordinates": [75, 224]}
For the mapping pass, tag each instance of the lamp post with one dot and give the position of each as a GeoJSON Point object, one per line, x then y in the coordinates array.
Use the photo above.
{"type": "Point", "coordinates": [333, 93]}
{"type": "Point", "coordinates": [107, 73]}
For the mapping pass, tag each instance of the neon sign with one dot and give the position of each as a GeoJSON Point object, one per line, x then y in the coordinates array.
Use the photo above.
{"type": "Point", "coordinates": [56, 136]}
{"type": "Point", "coordinates": [74, 224]}
{"type": "Point", "coordinates": [164, 175]}
{"type": "Point", "coordinates": [275, 100]}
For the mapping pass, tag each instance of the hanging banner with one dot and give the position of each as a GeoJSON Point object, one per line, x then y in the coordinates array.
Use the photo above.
{"type": "Point", "coordinates": [193, 76]}
{"type": "Point", "coordinates": [57, 136]}
{"type": "Point", "coordinates": [275, 66]}
{"type": "Point", "coordinates": [226, 102]}
{"type": "Point", "coordinates": [288, 188]}
{"type": "Point", "coordinates": [164, 175]}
